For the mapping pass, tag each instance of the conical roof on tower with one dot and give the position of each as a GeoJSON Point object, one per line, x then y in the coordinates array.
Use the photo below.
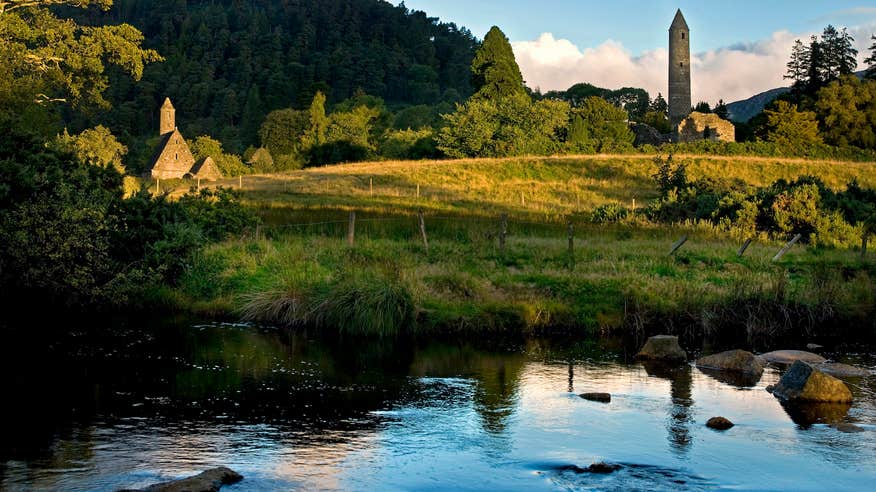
{"type": "Point", "coordinates": [679, 22]}
{"type": "Point", "coordinates": [167, 104]}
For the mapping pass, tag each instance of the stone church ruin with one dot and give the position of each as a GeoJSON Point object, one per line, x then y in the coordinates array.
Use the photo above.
{"type": "Point", "coordinates": [172, 158]}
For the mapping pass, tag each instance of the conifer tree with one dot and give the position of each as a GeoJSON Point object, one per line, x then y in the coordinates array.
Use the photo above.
{"type": "Point", "coordinates": [798, 66]}
{"type": "Point", "coordinates": [871, 61]}
{"type": "Point", "coordinates": [495, 74]}
{"type": "Point", "coordinates": [815, 75]}
{"type": "Point", "coordinates": [319, 122]}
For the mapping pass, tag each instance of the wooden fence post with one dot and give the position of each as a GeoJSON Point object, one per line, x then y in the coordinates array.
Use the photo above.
{"type": "Point", "coordinates": [787, 247]}
{"type": "Point", "coordinates": [371, 186]}
{"type": "Point", "coordinates": [351, 229]}
{"type": "Point", "coordinates": [522, 199]}
{"type": "Point", "coordinates": [864, 239]}
{"type": "Point", "coordinates": [503, 232]}
{"type": "Point", "coordinates": [240, 181]}
{"type": "Point", "coordinates": [199, 184]}
{"type": "Point", "coordinates": [571, 231]}
{"type": "Point", "coordinates": [423, 230]}
{"type": "Point", "coordinates": [157, 185]}
{"type": "Point", "coordinates": [678, 244]}
{"type": "Point", "coordinates": [418, 190]}
{"type": "Point", "coordinates": [744, 247]}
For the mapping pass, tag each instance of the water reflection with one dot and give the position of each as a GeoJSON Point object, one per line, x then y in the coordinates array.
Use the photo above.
{"type": "Point", "coordinates": [681, 390]}
{"type": "Point", "coordinates": [290, 411]}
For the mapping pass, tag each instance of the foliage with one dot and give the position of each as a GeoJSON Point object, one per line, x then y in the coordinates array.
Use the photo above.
{"type": "Point", "coordinates": [871, 61]}
{"type": "Point", "coordinates": [495, 74]}
{"type": "Point", "coordinates": [228, 164]}
{"type": "Point", "coordinates": [822, 61]}
{"type": "Point", "coordinates": [283, 130]}
{"type": "Point", "coordinates": [596, 125]}
{"type": "Point", "coordinates": [657, 120]}
{"type": "Point", "coordinates": [804, 206]}
{"type": "Point", "coordinates": [95, 146]}
{"type": "Point", "coordinates": [68, 237]}
{"type": "Point", "coordinates": [790, 129]}
{"type": "Point", "coordinates": [50, 59]}
{"type": "Point", "coordinates": [514, 126]}
{"type": "Point", "coordinates": [408, 144]}
{"type": "Point", "coordinates": [230, 63]}
{"type": "Point", "coordinates": [846, 110]}
{"type": "Point", "coordinates": [609, 213]}
{"type": "Point", "coordinates": [634, 101]}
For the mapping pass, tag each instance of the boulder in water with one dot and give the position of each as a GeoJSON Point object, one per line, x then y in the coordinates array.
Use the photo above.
{"type": "Point", "coordinates": [847, 428]}
{"type": "Point", "coordinates": [663, 348]}
{"type": "Point", "coordinates": [209, 481]}
{"type": "Point", "coordinates": [734, 361]}
{"type": "Point", "coordinates": [719, 423]}
{"type": "Point", "coordinates": [600, 397]}
{"type": "Point", "coordinates": [839, 370]}
{"type": "Point", "coordinates": [804, 383]}
{"type": "Point", "coordinates": [791, 356]}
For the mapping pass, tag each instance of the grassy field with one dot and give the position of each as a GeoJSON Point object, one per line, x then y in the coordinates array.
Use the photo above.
{"type": "Point", "coordinates": [300, 271]}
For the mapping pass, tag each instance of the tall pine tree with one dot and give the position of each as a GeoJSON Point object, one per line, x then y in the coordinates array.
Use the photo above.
{"type": "Point", "coordinates": [871, 61]}
{"type": "Point", "coordinates": [495, 74]}
{"type": "Point", "coordinates": [798, 66]}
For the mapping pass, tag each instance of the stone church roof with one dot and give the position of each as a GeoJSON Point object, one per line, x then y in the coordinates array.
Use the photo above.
{"type": "Point", "coordinates": [206, 169]}
{"type": "Point", "coordinates": [172, 158]}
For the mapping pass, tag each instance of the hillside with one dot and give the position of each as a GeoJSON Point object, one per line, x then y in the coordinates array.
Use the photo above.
{"type": "Point", "coordinates": [542, 188]}
{"type": "Point", "coordinates": [229, 63]}
{"type": "Point", "coordinates": [742, 111]}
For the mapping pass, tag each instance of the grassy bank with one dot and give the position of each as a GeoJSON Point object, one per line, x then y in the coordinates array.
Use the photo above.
{"type": "Point", "coordinates": [300, 271]}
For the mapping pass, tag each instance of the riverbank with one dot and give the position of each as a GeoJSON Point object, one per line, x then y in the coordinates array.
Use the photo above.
{"type": "Point", "coordinates": [618, 279]}
{"type": "Point", "coordinates": [298, 268]}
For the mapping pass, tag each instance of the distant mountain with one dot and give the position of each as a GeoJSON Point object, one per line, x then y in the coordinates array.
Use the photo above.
{"type": "Point", "coordinates": [742, 111]}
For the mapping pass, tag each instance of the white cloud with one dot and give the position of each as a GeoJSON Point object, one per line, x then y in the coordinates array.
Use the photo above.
{"type": "Point", "coordinates": [730, 73]}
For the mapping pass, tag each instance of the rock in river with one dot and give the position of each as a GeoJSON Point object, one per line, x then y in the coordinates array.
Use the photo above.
{"type": "Point", "coordinates": [209, 481]}
{"type": "Point", "coordinates": [791, 356]}
{"type": "Point", "coordinates": [600, 397]}
{"type": "Point", "coordinates": [734, 361]}
{"type": "Point", "coordinates": [662, 347]}
{"type": "Point", "coordinates": [804, 383]}
{"type": "Point", "coordinates": [839, 370]}
{"type": "Point", "coordinates": [719, 423]}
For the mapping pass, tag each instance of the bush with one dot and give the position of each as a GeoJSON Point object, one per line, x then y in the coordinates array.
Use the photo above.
{"type": "Point", "coordinates": [609, 213]}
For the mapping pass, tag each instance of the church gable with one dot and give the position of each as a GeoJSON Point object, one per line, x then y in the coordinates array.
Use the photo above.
{"type": "Point", "coordinates": [206, 169]}
{"type": "Point", "coordinates": [172, 159]}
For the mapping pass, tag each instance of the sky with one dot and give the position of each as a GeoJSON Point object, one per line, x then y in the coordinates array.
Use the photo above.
{"type": "Point", "coordinates": [739, 47]}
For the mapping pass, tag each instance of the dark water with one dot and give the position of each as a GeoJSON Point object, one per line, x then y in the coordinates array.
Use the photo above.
{"type": "Point", "coordinates": [290, 412]}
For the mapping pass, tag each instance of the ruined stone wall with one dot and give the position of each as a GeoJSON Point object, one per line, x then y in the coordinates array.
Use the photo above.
{"type": "Point", "coordinates": [701, 126]}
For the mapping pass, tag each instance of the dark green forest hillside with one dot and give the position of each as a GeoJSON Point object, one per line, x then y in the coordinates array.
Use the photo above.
{"type": "Point", "coordinates": [230, 62]}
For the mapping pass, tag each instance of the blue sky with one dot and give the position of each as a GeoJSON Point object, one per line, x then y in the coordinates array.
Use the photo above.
{"type": "Point", "coordinates": [640, 25]}
{"type": "Point", "coordinates": [740, 47]}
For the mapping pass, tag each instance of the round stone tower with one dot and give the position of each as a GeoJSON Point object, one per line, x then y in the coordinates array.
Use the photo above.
{"type": "Point", "coordinates": [679, 70]}
{"type": "Point", "coordinates": [167, 118]}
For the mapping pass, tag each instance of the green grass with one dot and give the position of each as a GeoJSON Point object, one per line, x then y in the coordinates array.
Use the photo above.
{"type": "Point", "coordinates": [300, 272]}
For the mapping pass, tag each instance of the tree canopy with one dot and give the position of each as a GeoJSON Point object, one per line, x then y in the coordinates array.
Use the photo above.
{"type": "Point", "coordinates": [494, 70]}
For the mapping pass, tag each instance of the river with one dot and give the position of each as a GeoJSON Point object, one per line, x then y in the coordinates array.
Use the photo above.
{"type": "Point", "coordinates": [145, 402]}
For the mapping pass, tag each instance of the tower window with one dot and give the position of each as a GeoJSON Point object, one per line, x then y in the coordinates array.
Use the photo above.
{"type": "Point", "coordinates": [682, 35]}
{"type": "Point", "coordinates": [176, 156]}
{"type": "Point", "coordinates": [681, 64]}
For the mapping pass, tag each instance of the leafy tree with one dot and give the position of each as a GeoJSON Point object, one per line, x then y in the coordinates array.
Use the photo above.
{"type": "Point", "coordinates": [283, 131]}
{"type": "Point", "coordinates": [228, 164]}
{"type": "Point", "coordinates": [846, 110]}
{"type": "Point", "coordinates": [513, 126]}
{"type": "Point", "coordinates": [50, 59]}
{"type": "Point", "coordinates": [495, 74]}
{"type": "Point", "coordinates": [871, 61]}
{"type": "Point", "coordinates": [657, 120]}
{"type": "Point", "coordinates": [598, 126]}
{"type": "Point", "coordinates": [789, 128]}
{"type": "Point", "coordinates": [96, 147]}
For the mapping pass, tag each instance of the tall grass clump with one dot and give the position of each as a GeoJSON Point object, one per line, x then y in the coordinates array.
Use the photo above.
{"type": "Point", "coordinates": [374, 306]}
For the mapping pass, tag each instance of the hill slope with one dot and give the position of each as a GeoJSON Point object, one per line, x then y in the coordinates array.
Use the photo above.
{"type": "Point", "coordinates": [228, 63]}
